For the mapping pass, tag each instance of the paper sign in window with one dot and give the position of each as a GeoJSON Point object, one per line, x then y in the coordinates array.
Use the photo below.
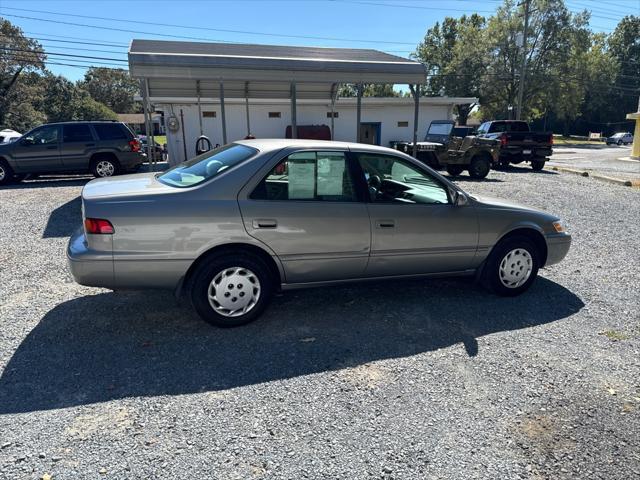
{"type": "Point", "coordinates": [330, 176]}
{"type": "Point", "coordinates": [301, 180]}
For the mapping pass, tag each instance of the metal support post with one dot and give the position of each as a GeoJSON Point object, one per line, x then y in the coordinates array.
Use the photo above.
{"type": "Point", "coordinates": [415, 91]}
{"type": "Point", "coordinates": [358, 111]}
{"type": "Point", "coordinates": [294, 119]}
{"type": "Point", "coordinates": [222, 114]}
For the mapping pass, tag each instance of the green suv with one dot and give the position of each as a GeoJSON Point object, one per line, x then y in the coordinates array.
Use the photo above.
{"type": "Point", "coordinates": [104, 148]}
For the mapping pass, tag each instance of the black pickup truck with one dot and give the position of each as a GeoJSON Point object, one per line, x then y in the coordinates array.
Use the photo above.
{"type": "Point", "coordinates": [518, 143]}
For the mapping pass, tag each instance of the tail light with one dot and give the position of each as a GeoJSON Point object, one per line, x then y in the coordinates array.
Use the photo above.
{"type": "Point", "coordinates": [98, 226]}
{"type": "Point", "coordinates": [135, 145]}
{"type": "Point", "coordinates": [503, 139]}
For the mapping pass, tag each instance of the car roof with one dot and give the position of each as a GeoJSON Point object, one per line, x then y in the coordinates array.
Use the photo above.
{"type": "Point", "coordinates": [76, 122]}
{"type": "Point", "coordinates": [270, 144]}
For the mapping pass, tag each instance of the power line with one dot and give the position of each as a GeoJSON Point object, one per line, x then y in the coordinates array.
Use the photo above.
{"type": "Point", "coordinates": [65, 55]}
{"type": "Point", "coordinates": [191, 27]}
{"type": "Point", "coordinates": [415, 7]}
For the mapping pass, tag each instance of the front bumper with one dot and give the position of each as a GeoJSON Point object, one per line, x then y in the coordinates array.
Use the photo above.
{"type": "Point", "coordinates": [89, 267]}
{"type": "Point", "coordinates": [557, 247]}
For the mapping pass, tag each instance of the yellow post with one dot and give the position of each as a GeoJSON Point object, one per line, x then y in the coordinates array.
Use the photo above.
{"type": "Point", "coordinates": [635, 150]}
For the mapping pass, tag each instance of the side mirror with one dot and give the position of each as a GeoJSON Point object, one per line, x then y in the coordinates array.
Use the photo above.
{"type": "Point", "coordinates": [460, 199]}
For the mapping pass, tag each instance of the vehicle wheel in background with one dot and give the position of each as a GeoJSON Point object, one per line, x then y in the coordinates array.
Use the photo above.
{"type": "Point", "coordinates": [511, 267]}
{"type": "Point", "coordinates": [229, 290]}
{"type": "Point", "coordinates": [104, 166]}
{"type": "Point", "coordinates": [454, 170]}
{"type": "Point", "coordinates": [479, 167]}
{"type": "Point", "coordinates": [6, 173]}
{"type": "Point", "coordinates": [538, 164]}
{"type": "Point", "coordinates": [619, 142]}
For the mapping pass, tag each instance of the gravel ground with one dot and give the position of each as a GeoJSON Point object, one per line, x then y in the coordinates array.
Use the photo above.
{"type": "Point", "coordinates": [422, 379]}
{"type": "Point", "coordinates": [612, 161]}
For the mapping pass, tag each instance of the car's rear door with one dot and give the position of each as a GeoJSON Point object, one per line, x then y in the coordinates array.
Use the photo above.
{"type": "Point", "coordinates": [77, 146]}
{"type": "Point", "coordinates": [307, 210]}
{"type": "Point", "coordinates": [415, 227]}
{"type": "Point", "coordinates": [38, 151]}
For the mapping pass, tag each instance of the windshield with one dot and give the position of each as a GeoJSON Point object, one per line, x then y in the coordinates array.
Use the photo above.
{"type": "Point", "coordinates": [206, 166]}
{"type": "Point", "coordinates": [439, 129]}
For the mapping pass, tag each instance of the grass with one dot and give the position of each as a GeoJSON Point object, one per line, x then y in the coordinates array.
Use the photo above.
{"type": "Point", "coordinates": [161, 139]}
{"type": "Point", "coordinates": [614, 335]}
{"type": "Point", "coordinates": [559, 140]}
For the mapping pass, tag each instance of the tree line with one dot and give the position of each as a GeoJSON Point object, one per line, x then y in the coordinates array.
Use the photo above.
{"type": "Point", "coordinates": [576, 80]}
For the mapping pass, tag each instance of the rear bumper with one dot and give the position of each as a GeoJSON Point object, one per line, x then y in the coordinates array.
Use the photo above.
{"type": "Point", "coordinates": [89, 267]}
{"type": "Point", "coordinates": [130, 160]}
{"type": "Point", "coordinates": [557, 247]}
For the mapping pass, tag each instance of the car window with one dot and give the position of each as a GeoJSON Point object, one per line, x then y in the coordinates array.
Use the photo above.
{"type": "Point", "coordinates": [76, 133]}
{"type": "Point", "coordinates": [440, 129]}
{"type": "Point", "coordinates": [206, 166]}
{"type": "Point", "coordinates": [111, 131]}
{"type": "Point", "coordinates": [395, 180]}
{"type": "Point", "coordinates": [482, 129]}
{"type": "Point", "coordinates": [44, 135]}
{"type": "Point", "coordinates": [309, 175]}
{"type": "Point", "coordinates": [518, 126]}
{"type": "Point", "coordinates": [497, 127]}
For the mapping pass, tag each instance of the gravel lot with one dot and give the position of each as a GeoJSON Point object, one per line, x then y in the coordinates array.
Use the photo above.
{"type": "Point", "coordinates": [421, 379]}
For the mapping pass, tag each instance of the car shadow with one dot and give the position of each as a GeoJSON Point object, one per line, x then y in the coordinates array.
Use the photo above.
{"type": "Point", "coordinates": [49, 181]}
{"type": "Point", "coordinates": [64, 220]}
{"type": "Point", "coordinates": [108, 346]}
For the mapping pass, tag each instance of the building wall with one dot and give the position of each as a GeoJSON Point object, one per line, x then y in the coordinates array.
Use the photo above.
{"type": "Point", "coordinates": [307, 114]}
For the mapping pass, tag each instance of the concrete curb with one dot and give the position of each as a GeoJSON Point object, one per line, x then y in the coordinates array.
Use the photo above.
{"type": "Point", "coordinates": [597, 176]}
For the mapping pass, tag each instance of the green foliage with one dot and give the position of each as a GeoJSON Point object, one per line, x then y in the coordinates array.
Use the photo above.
{"type": "Point", "coordinates": [113, 87]}
{"type": "Point", "coordinates": [369, 90]}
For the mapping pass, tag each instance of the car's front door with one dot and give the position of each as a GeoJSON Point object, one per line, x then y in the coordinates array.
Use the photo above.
{"type": "Point", "coordinates": [415, 227]}
{"type": "Point", "coordinates": [77, 145]}
{"type": "Point", "coordinates": [38, 150]}
{"type": "Point", "coordinates": [307, 211]}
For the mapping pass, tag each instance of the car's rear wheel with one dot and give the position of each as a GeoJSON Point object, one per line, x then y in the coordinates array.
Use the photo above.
{"type": "Point", "coordinates": [230, 289]}
{"type": "Point", "coordinates": [6, 173]}
{"type": "Point", "coordinates": [512, 266]}
{"type": "Point", "coordinates": [537, 164]}
{"type": "Point", "coordinates": [479, 167]}
{"type": "Point", "coordinates": [104, 166]}
{"type": "Point", "coordinates": [454, 170]}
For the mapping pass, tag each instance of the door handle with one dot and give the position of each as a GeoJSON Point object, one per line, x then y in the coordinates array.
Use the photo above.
{"type": "Point", "coordinates": [386, 223]}
{"type": "Point", "coordinates": [264, 223]}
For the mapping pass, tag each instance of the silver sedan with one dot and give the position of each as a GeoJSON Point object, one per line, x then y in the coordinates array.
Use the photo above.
{"type": "Point", "coordinates": [230, 227]}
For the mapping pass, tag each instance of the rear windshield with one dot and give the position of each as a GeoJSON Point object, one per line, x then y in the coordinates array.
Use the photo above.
{"type": "Point", "coordinates": [111, 131]}
{"type": "Point", "coordinates": [440, 129]}
{"type": "Point", "coordinates": [206, 166]}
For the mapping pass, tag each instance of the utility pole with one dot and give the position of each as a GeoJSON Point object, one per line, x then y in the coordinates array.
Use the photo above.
{"type": "Point", "coordinates": [523, 69]}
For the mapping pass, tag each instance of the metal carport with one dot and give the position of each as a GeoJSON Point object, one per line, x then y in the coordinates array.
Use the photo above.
{"type": "Point", "coordinates": [195, 70]}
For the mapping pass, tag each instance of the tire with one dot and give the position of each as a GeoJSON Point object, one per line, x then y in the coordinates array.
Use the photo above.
{"type": "Point", "coordinates": [537, 165]}
{"type": "Point", "coordinates": [103, 166]}
{"type": "Point", "coordinates": [6, 173]}
{"type": "Point", "coordinates": [619, 142]}
{"type": "Point", "coordinates": [496, 275]}
{"type": "Point", "coordinates": [479, 167]}
{"type": "Point", "coordinates": [454, 170]}
{"type": "Point", "coordinates": [233, 273]}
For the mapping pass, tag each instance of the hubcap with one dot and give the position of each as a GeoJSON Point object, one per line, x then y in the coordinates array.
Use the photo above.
{"type": "Point", "coordinates": [2, 173]}
{"type": "Point", "coordinates": [234, 291]}
{"type": "Point", "coordinates": [105, 168]}
{"type": "Point", "coordinates": [515, 268]}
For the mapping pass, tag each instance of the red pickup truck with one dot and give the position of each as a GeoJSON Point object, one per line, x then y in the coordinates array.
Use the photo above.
{"type": "Point", "coordinates": [518, 143]}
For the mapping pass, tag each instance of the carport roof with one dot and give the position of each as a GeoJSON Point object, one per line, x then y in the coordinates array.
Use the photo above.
{"type": "Point", "coordinates": [262, 71]}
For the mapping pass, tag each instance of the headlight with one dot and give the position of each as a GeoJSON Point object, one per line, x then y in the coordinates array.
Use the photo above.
{"type": "Point", "coordinates": [560, 226]}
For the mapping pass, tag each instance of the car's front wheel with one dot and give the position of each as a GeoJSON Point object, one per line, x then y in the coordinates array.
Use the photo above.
{"type": "Point", "coordinates": [6, 173]}
{"type": "Point", "coordinates": [231, 289]}
{"type": "Point", "coordinates": [512, 266]}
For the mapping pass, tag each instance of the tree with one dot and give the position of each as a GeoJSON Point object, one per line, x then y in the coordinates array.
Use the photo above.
{"type": "Point", "coordinates": [18, 54]}
{"type": "Point", "coordinates": [454, 54]}
{"type": "Point", "coordinates": [65, 101]}
{"type": "Point", "coordinates": [624, 46]}
{"type": "Point", "coordinates": [113, 87]}
{"type": "Point", "coordinates": [368, 90]}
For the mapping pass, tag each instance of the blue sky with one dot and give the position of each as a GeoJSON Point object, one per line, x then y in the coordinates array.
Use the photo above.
{"type": "Point", "coordinates": [394, 26]}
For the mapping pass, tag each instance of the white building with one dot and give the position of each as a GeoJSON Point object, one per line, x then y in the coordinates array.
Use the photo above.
{"type": "Point", "coordinates": [384, 120]}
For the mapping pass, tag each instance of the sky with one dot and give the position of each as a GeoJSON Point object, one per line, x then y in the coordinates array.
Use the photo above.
{"type": "Point", "coordinates": [100, 28]}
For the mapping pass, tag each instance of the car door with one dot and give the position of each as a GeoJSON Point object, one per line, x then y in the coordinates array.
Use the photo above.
{"type": "Point", "coordinates": [415, 227]}
{"type": "Point", "coordinates": [38, 150]}
{"type": "Point", "coordinates": [308, 212]}
{"type": "Point", "coordinates": [77, 145]}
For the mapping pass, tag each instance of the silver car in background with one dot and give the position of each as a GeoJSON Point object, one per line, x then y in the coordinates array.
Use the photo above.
{"type": "Point", "coordinates": [230, 227]}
